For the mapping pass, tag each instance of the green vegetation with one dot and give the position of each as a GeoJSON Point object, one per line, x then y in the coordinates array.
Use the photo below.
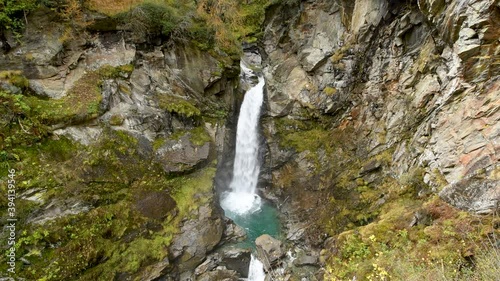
{"type": "Point", "coordinates": [199, 136]}
{"type": "Point", "coordinates": [178, 106]}
{"type": "Point", "coordinates": [329, 91]}
{"type": "Point", "coordinates": [384, 228]}
{"type": "Point", "coordinates": [81, 102]}
{"type": "Point", "coordinates": [447, 248]}
{"type": "Point", "coordinates": [15, 78]}
{"type": "Point", "coordinates": [210, 25]}
{"type": "Point", "coordinates": [13, 14]}
{"type": "Point", "coordinates": [112, 236]}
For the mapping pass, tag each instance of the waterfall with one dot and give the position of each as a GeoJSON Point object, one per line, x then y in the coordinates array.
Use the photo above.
{"type": "Point", "coordinates": [256, 270]}
{"type": "Point", "coordinates": [241, 198]}
{"type": "Point", "coordinates": [241, 201]}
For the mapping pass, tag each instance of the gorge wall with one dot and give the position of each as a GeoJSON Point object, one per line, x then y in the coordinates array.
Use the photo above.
{"type": "Point", "coordinates": [114, 135]}
{"type": "Point", "coordinates": [378, 112]}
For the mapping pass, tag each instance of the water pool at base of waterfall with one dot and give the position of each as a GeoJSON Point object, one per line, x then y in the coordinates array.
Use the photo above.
{"type": "Point", "coordinates": [263, 220]}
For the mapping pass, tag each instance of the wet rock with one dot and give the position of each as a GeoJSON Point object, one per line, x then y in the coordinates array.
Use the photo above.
{"type": "Point", "coordinates": [268, 251]}
{"type": "Point", "coordinates": [236, 259]}
{"type": "Point", "coordinates": [233, 232]}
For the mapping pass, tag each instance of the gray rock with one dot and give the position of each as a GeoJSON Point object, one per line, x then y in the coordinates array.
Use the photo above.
{"type": "Point", "coordinates": [34, 195]}
{"type": "Point", "coordinates": [83, 135]}
{"type": "Point", "coordinates": [372, 166]}
{"type": "Point", "coordinates": [156, 270]}
{"type": "Point", "coordinates": [304, 259]}
{"type": "Point", "coordinates": [233, 232]}
{"type": "Point", "coordinates": [197, 237]}
{"type": "Point", "coordinates": [368, 13]}
{"type": "Point", "coordinates": [210, 263]}
{"type": "Point", "coordinates": [269, 251]}
{"type": "Point", "coordinates": [478, 193]}
{"type": "Point", "coordinates": [140, 81]}
{"type": "Point", "coordinates": [236, 259]}
{"type": "Point", "coordinates": [182, 155]}
{"type": "Point", "coordinates": [58, 209]}
{"type": "Point", "coordinates": [155, 204]}
{"type": "Point", "coordinates": [220, 274]}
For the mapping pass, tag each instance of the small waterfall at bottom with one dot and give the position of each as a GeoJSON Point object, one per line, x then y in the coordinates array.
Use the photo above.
{"type": "Point", "coordinates": [241, 203]}
{"type": "Point", "coordinates": [256, 270]}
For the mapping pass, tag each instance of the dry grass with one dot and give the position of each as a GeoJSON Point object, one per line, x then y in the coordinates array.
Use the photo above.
{"type": "Point", "coordinates": [112, 7]}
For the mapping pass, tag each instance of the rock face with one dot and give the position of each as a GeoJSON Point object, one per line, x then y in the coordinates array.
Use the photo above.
{"type": "Point", "coordinates": [197, 237]}
{"type": "Point", "coordinates": [364, 96]}
{"type": "Point", "coordinates": [428, 101]}
{"type": "Point", "coordinates": [136, 125]}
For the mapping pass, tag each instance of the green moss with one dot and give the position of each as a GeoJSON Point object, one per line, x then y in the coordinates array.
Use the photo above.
{"type": "Point", "coordinates": [389, 247]}
{"type": "Point", "coordinates": [187, 187]}
{"type": "Point", "coordinates": [178, 106]}
{"type": "Point", "coordinates": [329, 91]}
{"type": "Point", "coordinates": [112, 237]}
{"type": "Point", "coordinates": [199, 136]}
{"type": "Point", "coordinates": [15, 78]}
{"type": "Point", "coordinates": [116, 120]}
{"type": "Point", "coordinates": [302, 136]}
{"type": "Point", "coordinates": [159, 142]}
{"type": "Point", "coordinates": [81, 102]}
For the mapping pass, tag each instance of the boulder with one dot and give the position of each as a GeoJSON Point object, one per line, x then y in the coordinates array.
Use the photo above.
{"type": "Point", "coordinates": [155, 204]}
{"type": "Point", "coordinates": [304, 260]}
{"type": "Point", "coordinates": [210, 263]}
{"type": "Point", "coordinates": [269, 251]}
{"type": "Point", "coordinates": [233, 232]}
{"type": "Point", "coordinates": [236, 259]}
{"type": "Point", "coordinates": [220, 274]}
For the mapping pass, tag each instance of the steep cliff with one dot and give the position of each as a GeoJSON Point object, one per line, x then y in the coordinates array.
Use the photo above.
{"type": "Point", "coordinates": [382, 119]}
{"type": "Point", "coordinates": [114, 133]}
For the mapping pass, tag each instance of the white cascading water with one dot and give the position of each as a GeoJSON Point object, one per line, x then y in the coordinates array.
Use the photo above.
{"type": "Point", "coordinates": [256, 270]}
{"type": "Point", "coordinates": [241, 198]}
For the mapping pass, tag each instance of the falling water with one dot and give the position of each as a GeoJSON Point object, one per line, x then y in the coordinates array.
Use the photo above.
{"type": "Point", "coordinates": [241, 202]}
{"type": "Point", "coordinates": [256, 270]}
{"type": "Point", "coordinates": [241, 198]}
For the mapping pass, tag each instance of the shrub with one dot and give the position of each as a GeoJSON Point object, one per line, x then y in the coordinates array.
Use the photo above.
{"type": "Point", "coordinates": [179, 106]}
{"type": "Point", "coordinates": [13, 14]}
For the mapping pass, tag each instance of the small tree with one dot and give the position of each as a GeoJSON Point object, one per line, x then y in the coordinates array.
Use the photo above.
{"type": "Point", "coordinates": [13, 14]}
